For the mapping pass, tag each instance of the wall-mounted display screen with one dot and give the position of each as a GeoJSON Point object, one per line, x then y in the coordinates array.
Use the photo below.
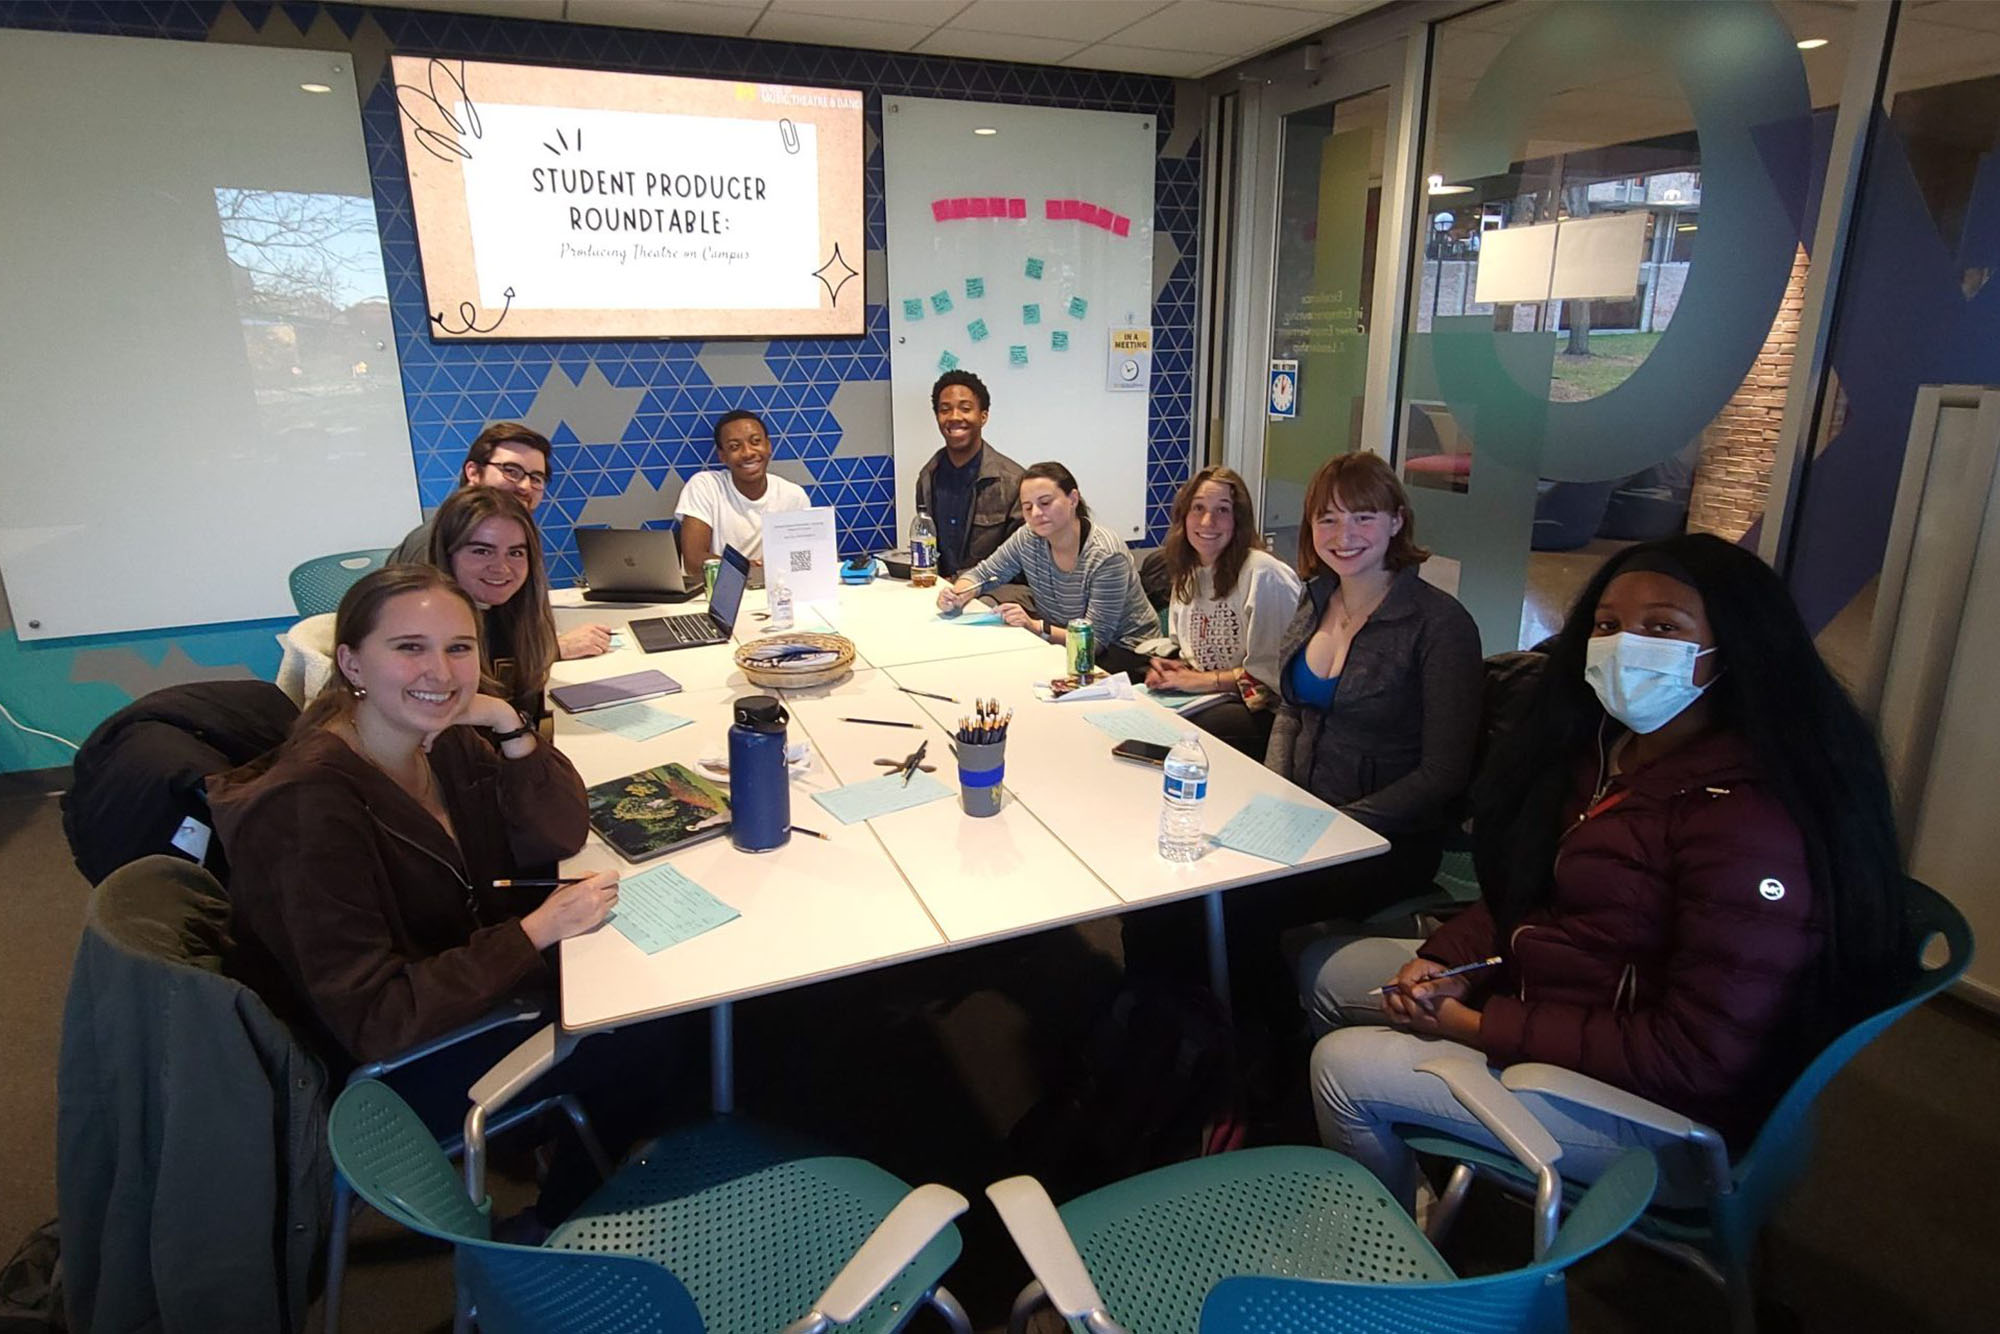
{"type": "Point", "coordinates": [556, 203]}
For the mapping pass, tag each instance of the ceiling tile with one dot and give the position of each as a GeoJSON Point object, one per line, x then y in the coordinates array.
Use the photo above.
{"type": "Point", "coordinates": [703, 16]}
{"type": "Point", "coordinates": [828, 30]}
{"type": "Point", "coordinates": [931, 13]}
{"type": "Point", "coordinates": [513, 9]}
{"type": "Point", "coordinates": [999, 46]}
{"type": "Point", "coordinates": [1220, 29]}
{"type": "Point", "coordinates": [1082, 20]}
{"type": "Point", "coordinates": [1176, 64]}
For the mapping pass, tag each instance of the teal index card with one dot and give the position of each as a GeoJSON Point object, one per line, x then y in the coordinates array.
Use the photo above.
{"type": "Point", "coordinates": [977, 330]}
{"type": "Point", "coordinates": [880, 796]}
{"type": "Point", "coordinates": [913, 308]}
{"type": "Point", "coordinates": [1031, 313]}
{"type": "Point", "coordinates": [1017, 354]}
{"type": "Point", "coordinates": [1275, 829]}
{"type": "Point", "coordinates": [1059, 340]}
{"type": "Point", "coordinates": [635, 722]}
{"type": "Point", "coordinates": [975, 288]}
{"type": "Point", "coordinates": [662, 907]}
{"type": "Point", "coordinates": [1077, 305]}
{"type": "Point", "coordinates": [941, 302]}
{"type": "Point", "coordinates": [1136, 724]}
{"type": "Point", "coordinates": [1035, 268]}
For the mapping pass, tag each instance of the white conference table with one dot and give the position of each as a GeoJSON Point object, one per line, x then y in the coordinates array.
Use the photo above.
{"type": "Point", "coordinates": [1074, 840]}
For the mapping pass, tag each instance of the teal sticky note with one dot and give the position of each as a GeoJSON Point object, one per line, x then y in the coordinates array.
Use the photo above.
{"type": "Point", "coordinates": [662, 907]}
{"type": "Point", "coordinates": [1035, 269]}
{"type": "Point", "coordinates": [1275, 829]}
{"type": "Point", "coordinates": [975, 288]}
{"type": "Point", "coordinates": [947, 362]}
{"type": "Point", "coordinates": [1017, 355]}
{"type": "Point", "coordinates": [1059, 340]}
{"type": "Point", "coordinates": [971, 618]}
{"type": "Point", "coordinates": [634, 722]}
{"type": "Point", "coordinates": [977, 329]}
{"type": "Point", "coordinates": [880, 796]}
{"type": "Point", "coordinates": [913, 308]}
{"type": "Point", "coordinates": [941, 302]}
{"type": "Point", "coordinates": [1077, 305]}
{"type": "Point", "coordinates": [1031, 314]}
{"type": "Point", "coordinates": [1135, 724]}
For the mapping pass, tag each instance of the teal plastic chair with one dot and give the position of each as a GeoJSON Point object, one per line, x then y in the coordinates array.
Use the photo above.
{"type": "Point", "coordinates": [1719, 1237]}
{"type": "Point", "coordinates": [716, 1228]}
{"type": "Point", "coordinates": [320, 583]}
{"type": "Point", "coordinates": [1227, 1242]}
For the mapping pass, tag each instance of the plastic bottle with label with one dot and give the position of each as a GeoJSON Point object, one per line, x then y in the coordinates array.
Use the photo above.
{"type": "Point", "coordinates": [1182, 793]}
{"type": "Point", "coordinates": [778, 601]}
{"type": "Point", "coordinates": [923, 550]}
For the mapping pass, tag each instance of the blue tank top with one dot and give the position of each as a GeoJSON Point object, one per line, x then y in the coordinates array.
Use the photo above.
{"type": "Point", "coordinates": [1314, 692]}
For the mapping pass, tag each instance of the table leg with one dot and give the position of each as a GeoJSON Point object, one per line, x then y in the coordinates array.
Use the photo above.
{"type": "Point", "coordinates": [721, 1059]}
{"type": "Point", "coordinates": [1218, 948]}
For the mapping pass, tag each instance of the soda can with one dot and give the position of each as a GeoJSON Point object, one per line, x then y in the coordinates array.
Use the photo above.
{"type": "Point", "coordinates": [1082, 649]}
{"type": "Point", "coordinates": [709, 569]}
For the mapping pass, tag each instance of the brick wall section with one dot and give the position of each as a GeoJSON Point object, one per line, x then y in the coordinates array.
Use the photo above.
{"type": "Point", "coordinates": [1740, 446]}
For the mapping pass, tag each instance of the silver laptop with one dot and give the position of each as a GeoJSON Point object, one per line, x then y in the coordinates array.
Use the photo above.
{"type": "Point", "coordinates": [631, 565]}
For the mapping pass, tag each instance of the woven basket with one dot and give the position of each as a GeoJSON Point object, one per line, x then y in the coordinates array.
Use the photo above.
{"type": "Point", "coordinates": [781, 677]}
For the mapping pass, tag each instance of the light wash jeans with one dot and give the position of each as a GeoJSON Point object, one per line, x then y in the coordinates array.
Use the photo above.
{"type": "Point", "coordinates": [1365, 1082]}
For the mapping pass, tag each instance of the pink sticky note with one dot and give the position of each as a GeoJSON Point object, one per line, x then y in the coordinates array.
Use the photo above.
{"type": "Point", "coordinates": [1121, 225]}
{"type": "Point", "coordinates": [1100, 216]}
{"type": "Point", "coordinates": [1017, 208]}
{"type": "Point", "coordinates": [961, 208]}
{"type": "Point", "coordinates": [981, 207]}
{"type": "Point", "coordinates": [940, 209]}
{"type": "Point", "coordinates": [1052, 208]}
{"type": "Point", "coordinates": [997, 205]}
{"type": "Point", "coordinates": [1073, 209]}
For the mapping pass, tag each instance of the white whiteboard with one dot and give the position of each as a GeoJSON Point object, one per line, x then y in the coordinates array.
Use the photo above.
{"type": "Point", "coordinates": [201, 385]}
{"type": "Point", "coordinates": [1058, 405]}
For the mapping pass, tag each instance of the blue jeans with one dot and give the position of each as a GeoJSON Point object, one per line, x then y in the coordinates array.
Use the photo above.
{"type": "Point", "coordinates": [1365, 1083]}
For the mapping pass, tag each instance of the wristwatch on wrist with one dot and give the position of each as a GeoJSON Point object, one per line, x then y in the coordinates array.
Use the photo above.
{"type": "Point", "coordinates": [500, 738]}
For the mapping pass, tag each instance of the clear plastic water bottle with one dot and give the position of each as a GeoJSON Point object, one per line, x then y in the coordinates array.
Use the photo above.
{"type": "Point", "coordinates": [1186, 784]}
{"type": "Point", "coordinates": [923, 551]}
{"type": "Point", "coordinates": [778, 601]}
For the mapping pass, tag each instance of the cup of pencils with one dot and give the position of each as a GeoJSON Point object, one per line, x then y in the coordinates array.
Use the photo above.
{"type": "Point", "coordinates": [981, 747]}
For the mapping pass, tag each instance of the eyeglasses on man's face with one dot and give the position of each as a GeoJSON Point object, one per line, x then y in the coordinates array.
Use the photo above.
{"type": "Point", "coordinates": [518, 475]}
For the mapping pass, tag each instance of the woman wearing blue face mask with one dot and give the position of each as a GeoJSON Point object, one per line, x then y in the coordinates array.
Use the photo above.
{"type": "Point", "coordinates": [1690, 877]}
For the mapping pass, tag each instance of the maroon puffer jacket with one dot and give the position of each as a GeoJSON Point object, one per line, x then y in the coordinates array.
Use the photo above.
{"type": "Point", "coordinates": [1674, 941]}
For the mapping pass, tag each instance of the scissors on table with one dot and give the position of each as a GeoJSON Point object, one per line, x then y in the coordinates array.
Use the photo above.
{"type": "Point", "coordinates": [909, 764]}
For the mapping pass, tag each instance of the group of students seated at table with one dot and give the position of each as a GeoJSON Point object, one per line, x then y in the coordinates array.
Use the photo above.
{"type": "Point", "coordinates": [1684, 842]}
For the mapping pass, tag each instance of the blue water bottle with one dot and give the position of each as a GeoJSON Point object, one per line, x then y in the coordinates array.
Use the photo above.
{"type": "Point", "coordinates": [760, 793]}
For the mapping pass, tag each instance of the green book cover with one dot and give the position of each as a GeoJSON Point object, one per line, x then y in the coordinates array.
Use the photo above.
{"type": "Point", "coordinates": [645, 814]}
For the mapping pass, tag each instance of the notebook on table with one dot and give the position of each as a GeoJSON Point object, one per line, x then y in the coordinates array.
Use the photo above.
{"type": "Point", "coordinates": [647, 814]}
{"type": "Point", "coordinates": [632, 565]}
{"type": "Point", "coordinates": [627, 689]}
{"type": "Point", "coordinates": [657, 634]}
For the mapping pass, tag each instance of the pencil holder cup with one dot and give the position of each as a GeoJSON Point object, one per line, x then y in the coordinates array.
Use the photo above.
{"type": "Point", "coordinates": [980, 769]}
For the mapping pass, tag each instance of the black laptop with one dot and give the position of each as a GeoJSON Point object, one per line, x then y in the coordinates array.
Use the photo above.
{"type": "Point", "coordinates": [657, 634]}
{"type": "Point", "coordinates": [631, 565]}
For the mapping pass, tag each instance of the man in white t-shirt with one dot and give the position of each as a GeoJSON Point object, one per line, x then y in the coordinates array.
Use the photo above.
{"type": "Point", "coordinates": [719, 509]}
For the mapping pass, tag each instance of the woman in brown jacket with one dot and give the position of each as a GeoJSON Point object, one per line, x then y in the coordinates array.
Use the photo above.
{"type": "Point", "coordinates": [364, 850]}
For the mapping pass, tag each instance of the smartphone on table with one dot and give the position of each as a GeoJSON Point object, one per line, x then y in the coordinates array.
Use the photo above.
{"type": "Point", "coordinates": [1142, 752]}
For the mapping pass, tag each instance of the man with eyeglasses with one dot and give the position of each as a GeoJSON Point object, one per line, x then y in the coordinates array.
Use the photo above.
{"type": "Point", "coordinates": [513, 458]}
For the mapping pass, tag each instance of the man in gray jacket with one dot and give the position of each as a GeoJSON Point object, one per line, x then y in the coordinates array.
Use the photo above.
{"type": "Point", "coordinates": [971, 490]}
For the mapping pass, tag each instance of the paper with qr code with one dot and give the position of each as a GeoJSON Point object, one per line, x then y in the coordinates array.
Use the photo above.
{"type": "Point", "coordinates": [798, 546]}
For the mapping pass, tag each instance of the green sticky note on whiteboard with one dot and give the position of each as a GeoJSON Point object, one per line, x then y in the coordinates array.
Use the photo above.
{"type": "Point", "coordinates": [978, 330]}
{"type": "Point", "coordinates": [913, 308]}
{"type": "Point", "coordinates": [941, 302]}
{"type": "Point", "coordinates": [947, 362]}
{"type": "Point", "coordinates": [1018, 354]}
{"type": "Point", "coordinates": [1031, 314]}
{"type": "Point", "coordinates": [1077, 305]}
{"type": "Point", "coordinates": [1034, 268]}
{"type": "Point", "coordinates": [975, 288]}
{"type": "Point", "coordinates": [1059, 340]}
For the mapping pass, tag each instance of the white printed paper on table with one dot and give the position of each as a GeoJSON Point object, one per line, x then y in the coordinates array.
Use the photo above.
{"type": "Point", "coordinates": [798, 547]}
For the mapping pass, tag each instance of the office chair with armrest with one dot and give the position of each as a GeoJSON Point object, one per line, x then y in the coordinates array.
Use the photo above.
{"type": "Point", "coordinates": [319, 584]}
{"type": "Point", "coordinates": [718, 1227]}
{"type": "Point", "coordinates": [1718, 1237]}
{"type": "Point", "coordinates": [1302, 1238]}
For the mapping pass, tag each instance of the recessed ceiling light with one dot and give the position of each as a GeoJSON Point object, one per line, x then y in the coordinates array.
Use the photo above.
{"type": "Point", "coordinates": [986, 129]}
{"type": "Point", "coordinates": [1812, 43]}
{"type": "Point", "coordinates": [1435, 185]}
{"type": "Point", "coordinates": [1688, 227]}
{"type": "Point", "coordinates": [315, 87]}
